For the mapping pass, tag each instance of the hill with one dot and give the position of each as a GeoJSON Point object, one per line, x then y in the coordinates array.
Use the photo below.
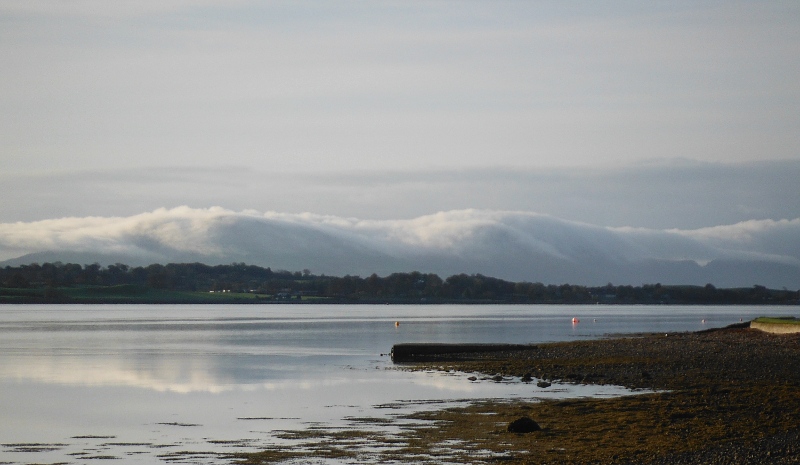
{"type": "Point", "coordinates": [242, 283]}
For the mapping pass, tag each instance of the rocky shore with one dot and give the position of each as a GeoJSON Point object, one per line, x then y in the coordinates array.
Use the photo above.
{"type": "Point", "coordinates": [727, 396]}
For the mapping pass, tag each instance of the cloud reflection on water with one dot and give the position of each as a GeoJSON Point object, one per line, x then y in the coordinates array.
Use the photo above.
{"type": "Point", "coordinates": [168, 375]}
{"type": "Point", "coordinates": [196, 375]}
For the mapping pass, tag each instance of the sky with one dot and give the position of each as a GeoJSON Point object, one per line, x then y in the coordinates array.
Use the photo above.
{"type": "Point", "coordinates": [657, 116]}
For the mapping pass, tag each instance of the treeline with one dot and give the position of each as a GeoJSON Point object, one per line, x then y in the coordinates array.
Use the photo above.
{"type": "Point", "coordinates": [265, 283]}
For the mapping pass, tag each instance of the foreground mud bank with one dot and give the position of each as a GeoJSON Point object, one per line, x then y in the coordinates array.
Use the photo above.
{"type": "Point", "coordinates": [729, 396]}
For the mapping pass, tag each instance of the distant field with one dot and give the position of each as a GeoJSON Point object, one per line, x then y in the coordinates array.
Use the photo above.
{"type": "Point", "coordinates": [123, 294]}
{"type": "Point", "coordinates": [146, 294]}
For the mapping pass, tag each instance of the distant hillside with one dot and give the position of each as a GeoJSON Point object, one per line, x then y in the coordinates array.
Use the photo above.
{"type": "Point", "coordinates": [241, 283]}
{"type": "Point", "coordinates": [515, 246]}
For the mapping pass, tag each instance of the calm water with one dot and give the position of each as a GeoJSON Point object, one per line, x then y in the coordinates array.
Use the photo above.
{"type": "Point", "coordinates": [138, 383]}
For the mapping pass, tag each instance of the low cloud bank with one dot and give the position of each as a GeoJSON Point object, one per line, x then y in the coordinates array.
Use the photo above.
{"type": "Point", "coordinates": [519, 246]}
{"type": "Point", "coordinates": [657, 195]}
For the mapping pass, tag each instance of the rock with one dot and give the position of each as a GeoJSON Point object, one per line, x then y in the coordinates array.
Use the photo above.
{"type": "Point", "coordinates": [472, 378]}
{"type": "Point", "coordinates": [497, 378]}
{"type": "Point", "coordinates": [523, 425]}
{"type": "Point", "coordinates": [543, 384]}
{"type": "Point", "coordinates": [527, 378]}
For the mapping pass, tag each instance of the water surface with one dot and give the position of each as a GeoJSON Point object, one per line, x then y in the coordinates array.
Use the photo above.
{"type": "Point", "coordinates": [140, 382]}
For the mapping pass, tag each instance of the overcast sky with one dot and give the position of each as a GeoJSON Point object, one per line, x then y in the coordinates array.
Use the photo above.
{"type": "Point", "coordinates": [617, 114]}
{"type": "Point", "coordinates": [337, 86]}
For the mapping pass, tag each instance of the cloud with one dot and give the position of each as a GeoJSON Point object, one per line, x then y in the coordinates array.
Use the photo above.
{"type": "Point", "coordinates": [515, 245]}
{"type": "Point", "coordinates": [768, 239]}
{"type": "Point", "coordinates": [659, 195]}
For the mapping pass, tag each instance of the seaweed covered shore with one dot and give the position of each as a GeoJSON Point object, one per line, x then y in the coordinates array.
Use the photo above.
{"type": "Point", "coordinates": [715, 397]}
{"type": "Point", "coordinates": [724, 396]}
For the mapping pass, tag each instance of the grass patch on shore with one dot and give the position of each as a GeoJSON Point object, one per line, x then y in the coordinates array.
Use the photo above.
{"type": "Point", "coordinates": [778, 320]}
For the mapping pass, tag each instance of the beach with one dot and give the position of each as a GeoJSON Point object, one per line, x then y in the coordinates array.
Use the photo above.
{"type": "Point", "coordinates": [730, 395]}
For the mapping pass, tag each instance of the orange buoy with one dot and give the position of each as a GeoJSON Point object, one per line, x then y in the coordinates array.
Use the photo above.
{"type": "Point", "coordinates": [396, 324]}
{"type": "Point", "coordinates": [575, 320]}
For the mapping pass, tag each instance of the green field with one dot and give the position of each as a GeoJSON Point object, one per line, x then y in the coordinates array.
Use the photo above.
{"type": "Point", "coordinates": [124, 294]}
{"type": "Point", "coordinates": [782, 320]}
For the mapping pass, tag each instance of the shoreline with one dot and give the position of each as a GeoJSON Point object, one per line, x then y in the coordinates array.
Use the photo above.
{"type": "Point", "coordinates": [718, 396]}
{"type": "Point", "coordinates": [729, 395]}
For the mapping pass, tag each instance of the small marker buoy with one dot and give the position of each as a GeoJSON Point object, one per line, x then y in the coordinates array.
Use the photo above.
{"type": "Point", "coordinates": [396, 324]}
{"type": "Point", "coordinates": [575, 320]}
{"type": "Point", "coordinates": [703, 320]}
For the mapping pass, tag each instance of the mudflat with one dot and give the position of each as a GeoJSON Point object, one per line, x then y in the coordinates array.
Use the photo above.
{"type": "Point", "coordinates": [727, 396]}
{"type": "Point", "coordinates": [724, 396]}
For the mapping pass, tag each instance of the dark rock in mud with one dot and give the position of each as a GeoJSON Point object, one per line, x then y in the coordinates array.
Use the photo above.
{"type": "Point", "coordinates": [523, 425]}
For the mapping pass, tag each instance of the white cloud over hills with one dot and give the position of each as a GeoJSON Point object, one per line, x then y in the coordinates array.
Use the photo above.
{"type": "Point", "coordinates": [514, 245]}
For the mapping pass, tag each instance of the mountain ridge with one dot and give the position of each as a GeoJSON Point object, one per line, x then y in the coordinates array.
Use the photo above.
{"type": "Point", "coordinates": [518, 246]}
